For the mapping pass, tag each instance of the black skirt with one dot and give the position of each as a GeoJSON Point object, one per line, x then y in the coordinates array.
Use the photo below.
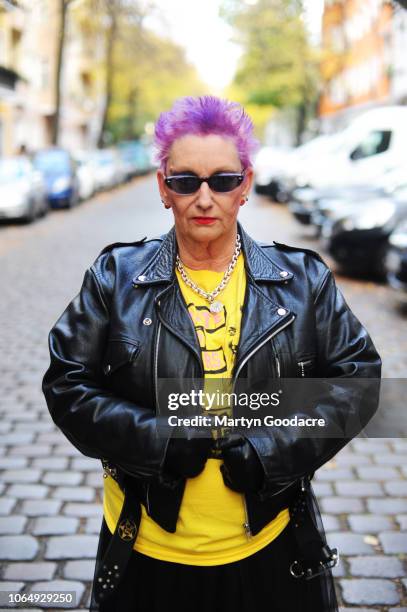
{"type": "Point", "coordinates": [256, 583]}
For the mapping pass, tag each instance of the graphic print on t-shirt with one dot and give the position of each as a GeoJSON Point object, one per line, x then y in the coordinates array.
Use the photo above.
{"type": "Point", "coordinates": [207, 323]}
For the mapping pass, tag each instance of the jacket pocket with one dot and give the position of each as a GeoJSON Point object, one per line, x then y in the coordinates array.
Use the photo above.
{"type": "Point", "coordinates": [119, 352]}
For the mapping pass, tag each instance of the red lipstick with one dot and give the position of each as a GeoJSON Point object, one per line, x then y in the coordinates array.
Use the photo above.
{"type": "Point", "coordinates": [204, 220]}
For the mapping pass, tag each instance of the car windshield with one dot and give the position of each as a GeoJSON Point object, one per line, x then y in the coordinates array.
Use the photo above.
{"type": "Point", "coordinates": [11, 170]}
{"type": "Point", "coordinates": [52, 161]}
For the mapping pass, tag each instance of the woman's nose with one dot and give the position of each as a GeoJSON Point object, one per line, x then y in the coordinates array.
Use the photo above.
{"type": "Point", "coordinates": [204, 196]}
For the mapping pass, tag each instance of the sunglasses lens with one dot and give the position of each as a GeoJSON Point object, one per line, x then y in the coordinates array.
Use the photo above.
{"type": "Point", "coordinates": [224, 183]}
{"type": "Point", "coordinates": [184, 184]}
{"type": "Point", "coordinates": [221, 183]}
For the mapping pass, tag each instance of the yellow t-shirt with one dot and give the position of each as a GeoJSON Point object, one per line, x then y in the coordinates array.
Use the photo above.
{"type": "Point", "coordinates": [210, 526]}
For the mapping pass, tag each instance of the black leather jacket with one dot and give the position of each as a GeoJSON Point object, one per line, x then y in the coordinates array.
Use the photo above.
{"type": "Point", "coordinates": [129, 326]}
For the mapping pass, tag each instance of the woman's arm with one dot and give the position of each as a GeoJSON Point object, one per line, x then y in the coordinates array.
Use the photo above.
{"type": "Point", "coordinates": [97, 422]}
{"type": "Point", "coordinates": [347, 398]}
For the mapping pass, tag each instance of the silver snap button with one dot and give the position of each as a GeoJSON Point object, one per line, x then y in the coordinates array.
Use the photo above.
{"type": "Point", "coordinates": [147, 321]}
{"type": "Point", "coordinates": [142, 277]}
{"type": "Point", "coordinates": [108, 368]}
{"type": "Point", "coordinates": [283, 273]}
{"type": "Point", "coordinates": [281, 311]}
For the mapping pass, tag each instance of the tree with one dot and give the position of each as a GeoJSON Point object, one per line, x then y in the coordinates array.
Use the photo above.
{"type": "Point", "coordinates": [278, 67]}
{"type": "Point", "coordinates": [150, 73]}
{"type": "Point", "coordinates": [140, 72]}
{"type": "Point", "coordinates": [63, 6]}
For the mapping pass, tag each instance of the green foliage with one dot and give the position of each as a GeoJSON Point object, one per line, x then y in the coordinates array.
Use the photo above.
{"type": "Point", "coordinates": [278, 68]}
{"type": "Point", "coordinates": [150, 73]}
{"type": "Point", "coordinates": [147, 72]}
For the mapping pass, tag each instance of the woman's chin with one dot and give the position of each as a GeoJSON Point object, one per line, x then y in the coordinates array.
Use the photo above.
{"type": "Point", "coordinates": [202, 232]}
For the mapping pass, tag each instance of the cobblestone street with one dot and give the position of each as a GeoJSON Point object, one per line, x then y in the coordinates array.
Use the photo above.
{"type": "Point", "coordinates": [51, 495]}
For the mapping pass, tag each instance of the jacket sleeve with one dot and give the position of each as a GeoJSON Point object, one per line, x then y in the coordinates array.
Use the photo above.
{"type": "Point", "coordinates": [97, 422]}
{"type": "Point", "coordinates": [346, 395]}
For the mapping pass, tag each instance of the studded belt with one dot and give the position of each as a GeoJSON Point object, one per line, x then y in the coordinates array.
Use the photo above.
{"type": "Point", "coordinates": [119, 550]}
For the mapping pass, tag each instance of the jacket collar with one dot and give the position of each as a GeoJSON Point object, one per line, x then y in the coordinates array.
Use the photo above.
{"type": "Point", "coordinates": [260, 267]}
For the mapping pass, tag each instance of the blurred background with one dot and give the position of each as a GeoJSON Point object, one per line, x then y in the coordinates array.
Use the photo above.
{"type": "Point", "coordinates": [82, 83]}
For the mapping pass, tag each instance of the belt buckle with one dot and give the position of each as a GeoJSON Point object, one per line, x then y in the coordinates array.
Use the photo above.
{"type": "Point", "coordinates": [320, 569]}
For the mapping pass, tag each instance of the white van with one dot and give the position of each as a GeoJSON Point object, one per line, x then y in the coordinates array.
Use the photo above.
{"type": "Point", "coordinates": [372, 145]}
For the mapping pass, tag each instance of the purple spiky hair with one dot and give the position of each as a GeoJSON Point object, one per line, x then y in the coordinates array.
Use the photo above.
{"type": "Point", "coordinates": [205, 115]}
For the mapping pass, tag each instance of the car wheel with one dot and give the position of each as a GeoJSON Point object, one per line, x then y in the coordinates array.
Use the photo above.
{"type": "Point", "coordinates": [379, 262]}
{"type": "Point", "coordinates": [44, 209]}
{"type": "Point", "coordinates": [31, 214]}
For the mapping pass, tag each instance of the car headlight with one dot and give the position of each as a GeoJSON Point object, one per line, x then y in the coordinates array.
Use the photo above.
{"type": "Point", "coordinates": [61, 184]}
{"type": "Point", "coordinates": [376, 215]}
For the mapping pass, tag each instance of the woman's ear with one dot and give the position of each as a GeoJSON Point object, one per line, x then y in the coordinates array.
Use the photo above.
{"type": "Point", "coordinates": [248, 181]}
{"type": "Point", "coordinates": [161, 188]}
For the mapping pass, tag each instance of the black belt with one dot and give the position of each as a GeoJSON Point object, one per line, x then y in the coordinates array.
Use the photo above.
{"type": "Point", "coordinates": [118, 552]}
{"type": "Point", "coordinates": [315, 556]}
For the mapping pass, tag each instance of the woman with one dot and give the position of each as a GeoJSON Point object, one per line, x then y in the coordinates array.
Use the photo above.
{"type": "Point", "coordinates": [224, 520]}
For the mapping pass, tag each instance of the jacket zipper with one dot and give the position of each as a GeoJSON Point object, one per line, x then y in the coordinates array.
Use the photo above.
{"type": "Point", "coordinates": [148, 498]}
{"type": "Point", "coordinates": [245, 360]}
{"type": "Point", "coordinates": [302, 365]}
{"type": "Point", "coordinates": [157, 340]}
{"type": "Point", "coordinates": [246, 524]}
{"type": "Point", "coordinates": [277, 360]}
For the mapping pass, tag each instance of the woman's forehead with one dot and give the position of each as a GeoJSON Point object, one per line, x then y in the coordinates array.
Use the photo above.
{"type": "Point", "coordinates": [207, 153]}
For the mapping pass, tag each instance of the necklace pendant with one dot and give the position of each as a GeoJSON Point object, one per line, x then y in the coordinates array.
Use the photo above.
{"type": "Point", "coordinates": [216, 306]}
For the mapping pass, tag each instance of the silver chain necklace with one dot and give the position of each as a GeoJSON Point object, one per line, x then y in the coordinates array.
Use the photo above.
{"type": "Point", "coordinates": [215, 305]}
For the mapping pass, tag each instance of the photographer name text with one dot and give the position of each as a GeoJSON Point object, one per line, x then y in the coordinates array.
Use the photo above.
{"type": "Point", "coordinates": [245, 422]}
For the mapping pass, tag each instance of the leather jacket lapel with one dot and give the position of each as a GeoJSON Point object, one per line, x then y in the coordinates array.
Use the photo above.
{"type": "Point", "coordinates": [173, 314]}
{"type": "Point", "coordinates": [261, 316]}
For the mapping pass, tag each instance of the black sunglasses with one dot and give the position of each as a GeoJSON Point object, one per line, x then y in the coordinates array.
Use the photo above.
{"type": "Point", "coordinates": [220, 182]}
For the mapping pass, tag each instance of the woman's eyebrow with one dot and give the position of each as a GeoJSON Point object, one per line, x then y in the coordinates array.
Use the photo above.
{"type": "Point", "coordinates": [215, 171]}
{"type": "Point", "coordinates": [176, 172]}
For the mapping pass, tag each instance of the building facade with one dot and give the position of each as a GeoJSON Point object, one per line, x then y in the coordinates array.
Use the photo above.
{"type": "Point", "coordinates": [363, 42]}
{"type": "Point", "coordinates": [29, 33]}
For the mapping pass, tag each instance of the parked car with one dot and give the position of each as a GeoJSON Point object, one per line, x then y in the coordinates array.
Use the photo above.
{"type": "Point", "coordinates": [373, 143]}
{"type": "Point", "coordinates": [333, 204]}
{"type": "Point", "coordinates": [22, 190]}
{"type": "Point", "coordinates": [129, 160]}
{"type": "Point", "coordinates": [303, 201]}
{"type": "Point", "coordinates": [269, 165]}
{"type": "Point", "coordinates": [306, 158]}
{"type": "Point", "coordinates": [395, 262]}
{"type": "Point", "coordinates": [85, 169]}
{"type": "Point", "coordinates": [136, 157]}
{"type": "Point", "coordinates": [60, 174]}
{"type": "Point", "coordinates": [321, 207]}
{"type": "Point", "coordinates": [358, 240]}
{"type": "Point", "coordinates": [109, 168]}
